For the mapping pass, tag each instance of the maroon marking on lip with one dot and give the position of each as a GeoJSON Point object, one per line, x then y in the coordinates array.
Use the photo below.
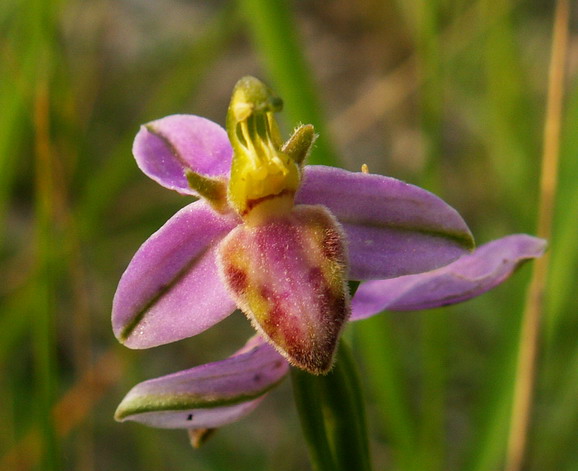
{"type": "Point", "coordinates": [237, 279]}
{"type": "Point", "coordinates": [280, 324]}
{"type": "Point", "coordinates": [331, 304]}
{"type": "Point", "coordinates": [316, 279]}
{"type": "Point", "coordinates": [266, 293]}
{"type": "Point", "coordinates": [332, 245]}
{"type": "Point", "coordinates": [252, 203]}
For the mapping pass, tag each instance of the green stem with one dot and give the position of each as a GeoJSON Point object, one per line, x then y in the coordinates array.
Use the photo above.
{"type": "Point", "coordinates": [308, 402]}
{"type": "Point", "coordinates": [345, 413]}
{"type": "Point", "coordinates": [332, 416]}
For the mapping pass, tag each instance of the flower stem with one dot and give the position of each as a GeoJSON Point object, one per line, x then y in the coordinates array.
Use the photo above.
{"type": "Point", "coordinates": [345, 413]}
{"type": "Point", "coordinates": [333, 417]}
{"type": "Point", "coordinates": [308, 401]}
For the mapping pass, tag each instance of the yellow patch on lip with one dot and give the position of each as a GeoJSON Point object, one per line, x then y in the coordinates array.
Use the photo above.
{"type": "Point", "coordinates": [263, 209]}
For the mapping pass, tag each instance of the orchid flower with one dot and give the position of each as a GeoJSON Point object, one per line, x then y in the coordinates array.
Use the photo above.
{"type": "Point", "coordinates": [279, 241]}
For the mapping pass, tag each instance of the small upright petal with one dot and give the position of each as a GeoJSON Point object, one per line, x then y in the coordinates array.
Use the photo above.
{"type": "Point", "coordinates": [461, 280]}
{"type": "Point", "coordinates": [392, 228]}
{"type": "Point", "coordinates": [288, 276]}
{"type": "Point", "coordinates": [167, 148]}
{"type": "Point", "coordinates": [206, 396]}
{"type": "Point", "coordinates": [171, 289]}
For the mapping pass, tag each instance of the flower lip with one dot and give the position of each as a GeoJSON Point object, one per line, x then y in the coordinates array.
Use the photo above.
{"type": "Point", "coordinates": [288, 277]}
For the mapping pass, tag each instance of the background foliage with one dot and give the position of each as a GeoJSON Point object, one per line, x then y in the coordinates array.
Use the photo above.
{"type": "Point", "coordinates": [448, 94]}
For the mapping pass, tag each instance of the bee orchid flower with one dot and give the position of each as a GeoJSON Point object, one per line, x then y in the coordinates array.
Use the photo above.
{"type": "Point", "coordinates": [279, 240]}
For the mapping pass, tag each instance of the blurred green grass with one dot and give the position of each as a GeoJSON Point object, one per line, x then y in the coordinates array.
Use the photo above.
{"type": "Point", "coordinates": [448, 95]}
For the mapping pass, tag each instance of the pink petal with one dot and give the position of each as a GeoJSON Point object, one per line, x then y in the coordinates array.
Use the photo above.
{"type": "Point", "coordinates": [206, 396]}
{"type": "Point", "coordinates": [463, 279]}
{"type": "Point", "coordinates": [165, 148]}
{"type": "Point", "coordinates": [288, 276]}
{"type": "Point", "coordinates": [392, 228]}
{"type": "Point", "coordinates": [171, 289]}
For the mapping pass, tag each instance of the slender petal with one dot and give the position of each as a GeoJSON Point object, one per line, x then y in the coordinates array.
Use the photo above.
{"type": "Point", "coordinates": [288, 276]}
{"type": "Point", "coordinates": [392, 228]}
{"type": "Point", "coordinates": [206, 396]}
{"type": "Point", "coordinates": [459, 281]}
{"type": "Point", "coordinates": [171, 289]}
{"type": "Point", "coordinates": [164, 149]}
